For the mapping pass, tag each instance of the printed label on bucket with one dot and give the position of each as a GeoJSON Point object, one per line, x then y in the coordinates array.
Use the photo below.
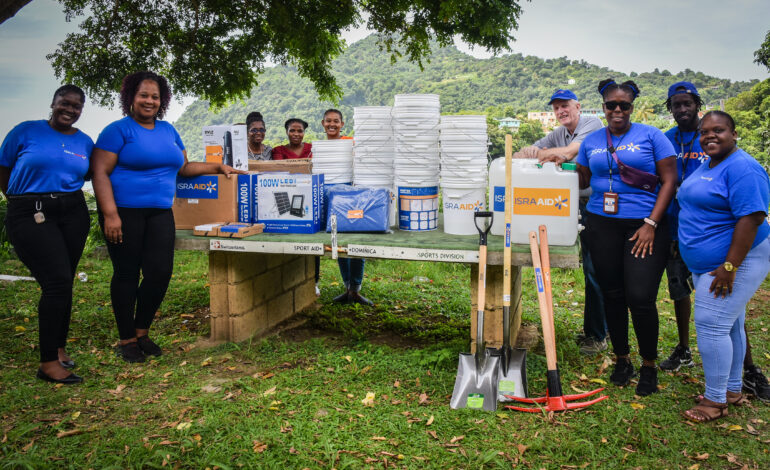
{"type": "Point", "coordinates": [417, 208]}
{"type": "Point", "coordinates": [475, 400]}
{"type": "Point", "coordinates": [541, 201]}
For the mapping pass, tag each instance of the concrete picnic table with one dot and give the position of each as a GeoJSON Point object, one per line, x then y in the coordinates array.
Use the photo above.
{"type": "Point", "coordinates": [259, 281]}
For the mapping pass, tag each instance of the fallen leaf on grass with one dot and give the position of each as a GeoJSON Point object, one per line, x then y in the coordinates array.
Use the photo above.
{"type": "Point", "coordinates": [184, 363]}
{"type": "Point", "coordinates": [269, 391]}
{"type": "Point", "coordinates": [184, 425]}
{"type": "Point", "coordinates": [117, 390]}
{"type": "Point", "coordinates": [369, 399]}
{"type": "Point", "coordinates": [750, 429]}
{"type": "Point", "coordinates": [703, 456]}
{"type": "Point", "coordinates": [433, 434]}
{"type": "Point", "coordinates": [167, 375]}
{"type": "Point", "coordinates": [598, 381]}
{"type": "Point", "coordinates": [206, 362]}
{"type": "Point", "coordinates": [694, 466]}
{"type": "Point", "coordinates": [348, 358]}
{"type": "Point", "coordinates": [19, 329]}
{"type": "Point", "coordinates": [71, 432]}
{"type": "Point", "coordinates": [522, 448]}
{"type": "Point", "coordinates": [396, 384]}
{"type": "Point", "coordinates": [379, 438]}
{"type": "Point", "coordinates": [430, 421]}
{"type": "Point", "coordinates": [259, 447]}
{"type": "Point", "coordinates": [637, 406]}
{"type": "Point", "coordinates": [210, 388]}
{"type": "Point", "coordinates": [423, 399]}
{"type": "Point", "coordinates": [574, 388]}
{"type": "Point", "coordinates": [734, 427]}
{"type": "Point", "coordinates": [365, 370]}
{"type": "Point", "coordinates": [457, 439]}
{"type": "Point", "coordinates": [75, 415]}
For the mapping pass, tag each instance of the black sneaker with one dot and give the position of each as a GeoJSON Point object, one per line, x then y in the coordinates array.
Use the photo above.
{"type": "Point", "coordinates": [148, 346]}
{"type": "Point", "coordinates": [680, 357]}
{"type": "Point", "coordinates": [130, 352]}
{"type": "Point", "coordinates": [623, 373]}
{"type": "Point", "coordinates": [755, 382]}
{"type": "Point", "coordinates": [648, 381]}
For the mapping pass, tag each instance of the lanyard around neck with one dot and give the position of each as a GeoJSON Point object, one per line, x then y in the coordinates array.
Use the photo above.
{"type": "Point", "coordinates": [685, 161]}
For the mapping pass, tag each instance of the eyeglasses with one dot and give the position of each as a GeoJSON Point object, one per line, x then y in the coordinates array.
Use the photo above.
{"type": "Point", "coordinates": [624, 105]}
{"type": "Point", "coordinates": [257, 130]}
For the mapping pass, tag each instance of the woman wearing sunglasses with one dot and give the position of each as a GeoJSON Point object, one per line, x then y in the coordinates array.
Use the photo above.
{"type": "Point", "coordinates": [631, 169]}
{"type": "Point", "coordinates": [255, 126]}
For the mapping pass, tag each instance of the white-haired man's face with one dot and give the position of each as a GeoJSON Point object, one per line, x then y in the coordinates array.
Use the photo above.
{"type": "Point", "coordinates": [567, 113]}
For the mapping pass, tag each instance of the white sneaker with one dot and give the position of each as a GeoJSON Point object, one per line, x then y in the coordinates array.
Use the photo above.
{"type": "Point", "coordinates": [317, 291]}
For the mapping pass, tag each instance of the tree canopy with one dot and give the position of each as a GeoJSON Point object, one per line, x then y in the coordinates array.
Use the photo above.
{"type": "Point", "coordinates": [762, 55]}
{"type": "Point", "coordinates": [217, 49]}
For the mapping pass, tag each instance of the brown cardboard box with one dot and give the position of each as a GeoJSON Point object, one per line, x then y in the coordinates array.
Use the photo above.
{"type": "Point", "coordinates": [297, 165]}
{"type": "Point", "coordinates": [207, 230]}
{"type": "Point", "coordinates": [243, 230]}
{"type": "Point", "coordinates": [204, 200]}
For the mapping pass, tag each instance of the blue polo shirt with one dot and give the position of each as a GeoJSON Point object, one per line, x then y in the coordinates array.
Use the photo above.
{"type": "Point", "coordinates": [712, 200]}
{"type": "Point", "coordinates": [641, 147]}
{"type": "Point", "coordinates": [689, 156]}
{"type": "Point", "coordinates": [148, 162]}
{"type": "Point", "coordinates": [43, 160]}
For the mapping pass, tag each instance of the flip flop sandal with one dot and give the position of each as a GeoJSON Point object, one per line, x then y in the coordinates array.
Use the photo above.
{"type": "Point", "coordinates": [738, 400]}
{"type": "Point", "coordinates": [699, 414]}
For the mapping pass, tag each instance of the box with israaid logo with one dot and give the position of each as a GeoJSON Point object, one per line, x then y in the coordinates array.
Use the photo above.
{"type": "Point", "coordinates": [289, 202]}
{"type": "Point", "coordinates": [227, 144]}
{"type": "Point", "coordinates": [207, 199]}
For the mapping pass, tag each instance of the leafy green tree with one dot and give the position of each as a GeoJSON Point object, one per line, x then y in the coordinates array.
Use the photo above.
{"type": "Point", "coordinates": [751, 111]}
{"type": "Point", "coordinates": [644, 110]}
{"type": "Point", "coordinates": [217, 50]}
{"type": "Point", "coordinates": [762, 55]}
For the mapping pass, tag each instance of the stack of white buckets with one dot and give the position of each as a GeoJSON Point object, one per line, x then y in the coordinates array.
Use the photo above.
{"type": "Point", "coordinates": [373, 150]}
{"type": "Point", "coordinates": [334, 158]}
{"type": "Point", "coordinates": [417, 157]}
{"type": "Point", "coordinates": [463, 171]}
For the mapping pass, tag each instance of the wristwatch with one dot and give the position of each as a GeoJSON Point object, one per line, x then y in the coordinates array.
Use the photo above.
{"type": "Point", "coordinates": [728, 266]}
{"type": "Point", "coordinates": [649, 221]}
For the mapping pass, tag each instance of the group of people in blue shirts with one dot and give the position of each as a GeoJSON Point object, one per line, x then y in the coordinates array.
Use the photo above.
{"type": "Point", "coordinates": [692, 185]}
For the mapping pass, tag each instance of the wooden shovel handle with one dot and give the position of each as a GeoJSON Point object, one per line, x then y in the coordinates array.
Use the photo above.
{"type": "Point", "coordinates": [545, 260]}
{"type": "Point", "coordinates": [545, 319]}
{"type": "Point", "coordinates": [482, 296]}
{"type": "Point", "coordinates": [508, 216]}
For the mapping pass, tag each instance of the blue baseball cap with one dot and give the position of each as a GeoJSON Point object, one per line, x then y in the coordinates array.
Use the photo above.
{"type": "Point", "coordinates": [563, 95]}
{"type": "Point", "coordinates": [679, 88]}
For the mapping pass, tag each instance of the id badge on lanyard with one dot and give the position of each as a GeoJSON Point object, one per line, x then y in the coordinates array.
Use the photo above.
{"type": "Point", "coordinates": [610, 203]}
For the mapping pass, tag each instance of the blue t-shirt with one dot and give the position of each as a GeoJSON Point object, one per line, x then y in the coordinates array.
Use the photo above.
{"type": "Point", "coordinates": [148, 162]}
{"type": "Point", "coordinates": [43, 160]}
{"type": "Point", "coordinates": [641, 147]}
{"type": "Point", "coordinates": [712, 200]}
{"type": "Point", "coordinates": [689, 156]}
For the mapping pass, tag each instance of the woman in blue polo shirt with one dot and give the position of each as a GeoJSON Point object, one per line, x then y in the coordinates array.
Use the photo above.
{"type": "Point", "coordinates": [628, 236]}
{"type": "Point", "coordinates": [135, 163]}
{"type": "Point", "coordinates": [42, 169]}
{"type": "Point", "coordinates": [723, 238]}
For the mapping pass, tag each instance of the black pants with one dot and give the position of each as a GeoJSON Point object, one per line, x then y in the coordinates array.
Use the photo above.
{"type": "Point", "coordinates": [628, 282]}
{"type": "Point", "coordinates": [51, 250]}
{"type": "Point", "coordinates": [148, 247]}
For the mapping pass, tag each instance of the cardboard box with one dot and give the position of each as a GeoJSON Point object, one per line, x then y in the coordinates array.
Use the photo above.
{"type": "Point", "coordinates": [207, 199]}
{"type": "Point", "coordinates": [298, 165]}
{"type": "Point", "coordinates": [207, 230]}
{"type": "Point", "coordinates": [289, 203]}
{"type": "Point", "coordinates": [239, 230]}
{"type": "Point", "coordinates": [227, 144]}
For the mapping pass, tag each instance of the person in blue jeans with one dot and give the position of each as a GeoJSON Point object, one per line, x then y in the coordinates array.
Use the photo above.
{"type": "Point", "coordinates": [723, 238]}
{"type": "Point", "coordinates": [351, 269]}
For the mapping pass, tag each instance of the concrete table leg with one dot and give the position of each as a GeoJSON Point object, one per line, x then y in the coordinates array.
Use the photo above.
{"type": "Point", "coordinates": [493, 308]}
{"type": "Point", "coordinates": [252, 292]}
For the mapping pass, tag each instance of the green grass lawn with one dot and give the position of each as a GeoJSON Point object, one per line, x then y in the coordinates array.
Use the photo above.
{"type": "Point", "coordinates": [298, 399]}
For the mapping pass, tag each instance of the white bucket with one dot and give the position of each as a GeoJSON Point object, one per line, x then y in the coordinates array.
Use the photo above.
{"type": "Point", "coordinates": [463, 139]}
{"type": "Point", "coordinates": [417, 208]}
{"type": "Point", "coordinates": [459, 206]}
{"type": "Point", "coordinates": [335, 145]}
{"type": "Point", "coordinates": [458, 183]}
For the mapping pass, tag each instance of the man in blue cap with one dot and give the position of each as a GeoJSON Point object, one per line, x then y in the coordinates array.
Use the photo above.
{"type": "Point", "coordinates": [559, 146]}
{"type": "Point", "coordinates": [684, 103]}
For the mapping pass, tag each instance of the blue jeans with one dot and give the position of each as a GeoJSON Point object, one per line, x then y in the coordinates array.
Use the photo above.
{"type": "Point", "coordinates": [594, 320]}
{"type": "Point", "coordinates": [352, 271]}
{"type": "Point", "coordinates": [719, 323]}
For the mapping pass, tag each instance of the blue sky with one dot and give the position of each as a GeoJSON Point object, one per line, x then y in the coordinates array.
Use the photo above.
{"type": "Point", "coordinates": [711, 36]}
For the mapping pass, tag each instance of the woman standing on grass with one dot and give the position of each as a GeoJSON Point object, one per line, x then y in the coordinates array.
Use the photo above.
{"type": "Point", "coordinates": [136, 161]}
{"type": "Point", "coordinates": [724, 239]}
{"type": "Point", "coordinates": [628, 235]}
{"type": "Point", "coordinates": [42, 169]}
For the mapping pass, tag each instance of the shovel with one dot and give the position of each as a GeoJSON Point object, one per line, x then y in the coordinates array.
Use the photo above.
{"type": "Point", "coordinates": [477, 374]}
{"type": "Point", "coordinates": [513, 365]}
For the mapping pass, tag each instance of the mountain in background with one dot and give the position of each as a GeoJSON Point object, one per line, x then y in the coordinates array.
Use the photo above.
{"type": "Point", "coordinates": [499, 86]}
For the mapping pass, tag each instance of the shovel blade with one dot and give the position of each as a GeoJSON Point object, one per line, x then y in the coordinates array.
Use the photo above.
{"type": "Point", "coordinates": [512, 379]}
{"type": "Point", "coordinates": [476, 388]}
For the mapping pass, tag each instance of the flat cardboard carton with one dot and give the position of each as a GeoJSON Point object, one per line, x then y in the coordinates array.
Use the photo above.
{"type": "Point", "coordinates": [299, 165]}
{"type": "Point", "coordinates": [239, 230]}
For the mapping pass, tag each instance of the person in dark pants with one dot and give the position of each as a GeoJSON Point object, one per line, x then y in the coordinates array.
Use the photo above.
{"type": "Point", "coordinates": [135, 163]}
{"type": "Point", "coordinates": [351, 269]}
{"type": "Point", "coordinates": [42, 169]}
{"type": "Point", "coordinates": [628, 234]}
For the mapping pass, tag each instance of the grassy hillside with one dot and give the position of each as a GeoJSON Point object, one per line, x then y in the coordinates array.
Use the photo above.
{"type": "Point", "coordinates": [496, 86]}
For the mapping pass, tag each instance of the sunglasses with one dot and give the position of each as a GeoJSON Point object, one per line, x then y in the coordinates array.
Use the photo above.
{"type": "Point", "coordinates": [624, 105]}
{"type": "Point", "coordinates": [257, 130]}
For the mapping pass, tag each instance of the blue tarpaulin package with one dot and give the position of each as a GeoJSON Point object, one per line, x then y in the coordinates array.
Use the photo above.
{"type": "Point", "coordinates": [359, 209]}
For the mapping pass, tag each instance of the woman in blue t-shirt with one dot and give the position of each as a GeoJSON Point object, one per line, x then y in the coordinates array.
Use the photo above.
{"type": "Point", "coordinates": [723, 238]}
{"type": "Point", "coordinates": [628, 236]}
{"type": "Point", "coordinates": [135, 164]}
{"type": "Point", "coordinates": [42, 169]}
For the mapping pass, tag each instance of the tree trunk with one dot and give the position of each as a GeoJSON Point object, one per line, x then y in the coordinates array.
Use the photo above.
{"type": "Point", "coordinates": [8, 8]}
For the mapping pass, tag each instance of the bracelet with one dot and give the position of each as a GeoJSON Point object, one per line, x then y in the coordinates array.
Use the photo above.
{"type": "Point", "coordinates": [648, 220]}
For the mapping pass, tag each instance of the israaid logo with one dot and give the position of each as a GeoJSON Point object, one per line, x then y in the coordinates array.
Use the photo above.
{"type": "Point", "coordinates": [541, 201]}
{"type": "Point", "coordinates": [465, 206]}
